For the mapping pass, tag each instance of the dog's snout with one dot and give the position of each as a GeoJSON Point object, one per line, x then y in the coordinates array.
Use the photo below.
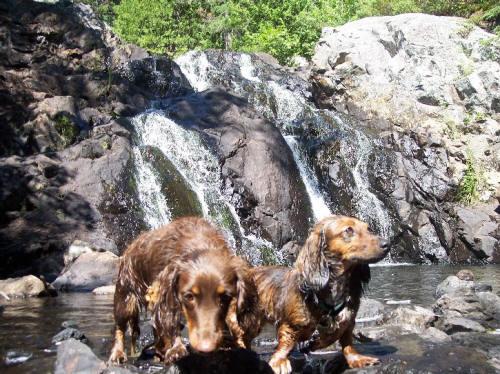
{"type": "Point", "coordinates": [206, 346]}
{"type": "Point", "coordinates": [385, 245]}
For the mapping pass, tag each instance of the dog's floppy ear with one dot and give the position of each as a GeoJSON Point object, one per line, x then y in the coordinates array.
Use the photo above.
{"type": "Point", "coordinates": [166, 312]}
{"type": "Point", "coordinates": [312, 263]}
{"type": "Point", "coordinates": [242, 312]}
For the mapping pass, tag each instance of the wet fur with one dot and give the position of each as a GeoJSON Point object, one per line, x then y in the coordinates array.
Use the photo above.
{"type": "Point", "coordinates": [330, 270]}
{"type": "Point", "coordinates": [193, 252]}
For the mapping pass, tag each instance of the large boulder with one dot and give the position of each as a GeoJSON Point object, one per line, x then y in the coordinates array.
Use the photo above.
{"type": "Point", "coordinates": [89, 271]}
{"type": "Point", "coordinates": [427, 87]}
{"type": "Point", "coordinates": [258, 169]}
{"type": "Point", "coordinates": [27, 286]}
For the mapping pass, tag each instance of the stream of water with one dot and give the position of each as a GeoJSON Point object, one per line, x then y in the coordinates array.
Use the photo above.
{"type": "Point", "coordinates": [28, 325]}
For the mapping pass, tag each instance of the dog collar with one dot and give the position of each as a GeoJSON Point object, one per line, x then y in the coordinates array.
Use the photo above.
{"type": "Point", "coordinates": [333, 311]}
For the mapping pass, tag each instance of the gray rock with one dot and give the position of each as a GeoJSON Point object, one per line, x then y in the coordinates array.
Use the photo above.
{"type": "Point", "coordinates": [413, 319]}
{"type": "Point", "coordinates": [435, 335]}
{"type": "Point", "coordinates": [260, 179]}
{"type": "Point", "coordinates": [27, 286]}
{"type": "Point", "coordinates": [69, 333]}
{"type": "Point", "coordinates": [370, 311]}
{"type": "Point", "coordinates": [490, 304]}
{"type": "Point", "coordinates": [104, 290]}
{"type": "Point", "coordinates": [89, 271]}
{"type": "Point", "coordinates": [399, 76]}
{"type": "Point", "coordinates": [453, 284]}
{"type": "Point", "coordinates": [452, 325]}
{"type": "Point", "coordinates": [75, 357]}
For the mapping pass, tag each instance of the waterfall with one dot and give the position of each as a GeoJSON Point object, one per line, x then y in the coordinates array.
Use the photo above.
{"type": "Point", "coordinates": [287, 108]}
{"type": "Point", "coordinates": [153, 203]}
{"type": "Point", "coordinates": [201, 171]}
{"type": "Point", "coordinates": [319, 207]}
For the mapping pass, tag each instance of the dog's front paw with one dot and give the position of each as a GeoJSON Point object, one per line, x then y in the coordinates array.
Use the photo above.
{"type": "Point", "coordinates": [355, 360]}
{"type": "Point", "coordinates": [175, 353]}
{"type": "Point", "coordinates": [280, 365]}
{"type": "Point", "coordinates": [117, 357]}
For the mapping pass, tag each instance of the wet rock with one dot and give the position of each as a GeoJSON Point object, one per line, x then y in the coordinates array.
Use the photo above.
{"type": "Point", "coordinates": [452, 325]}
{"type": "Point", "coordinates": [490, 304]}
{"type": "Point", "coordinates": [28, 286]}
{"type": "Point", "coordinates": [69, 324]}
{"type": "Point", "coordinates": [425, 126]}
{"type": "Point", "coordinates": [89, 271]}
{"type": "Point", "coordinates": [104, 290]}
{"type": "Point", "coordinates": [69, 333]}
{"type": "Point", "coordinates": [453, 284]}
{"type": "Point", "coordinates": [13, 357]}
{"type": "Point", "coordinates": [181, 198]}
{"type": "Point", "coordinates": [435, 335]}
{"type": "Point", "coordinates": [74, 250]}
{"type": "Point", "coordinates": [370, 311]}
{"type": "Point", "coordinates": [75, 357]}
{"type": "Point", "coordinates": [413, 319]}
{"type": "Point", "coordinates": [465, 275]}
{"type": "Point", "coordinates": [261, 180]}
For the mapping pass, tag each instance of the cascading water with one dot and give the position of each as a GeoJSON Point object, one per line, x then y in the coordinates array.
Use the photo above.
{"type": "Point", "coordinates": [153, 203]}
{"type": "Point", "coordinates": [287, 108]}
{"type": "Point", "coordinates": [200, 169]}
{"type": "Point", "coordinates": [319, 207]}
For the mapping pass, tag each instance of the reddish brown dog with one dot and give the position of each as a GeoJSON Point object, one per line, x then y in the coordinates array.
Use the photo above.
{"type": "Point", "coordinates": [185, 268]}
{"type": "Point", "coordinates": [315, 302]}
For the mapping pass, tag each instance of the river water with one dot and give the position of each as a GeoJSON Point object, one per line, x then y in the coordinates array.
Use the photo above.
{"type": "Point", "coordinates": [28, 325]}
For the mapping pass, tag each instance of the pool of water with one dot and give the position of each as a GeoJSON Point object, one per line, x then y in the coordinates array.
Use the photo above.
{"type": "Point", "coordinates": [28, 325]}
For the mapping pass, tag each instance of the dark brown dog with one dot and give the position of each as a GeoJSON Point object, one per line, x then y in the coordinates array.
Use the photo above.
{"type": "Point", "coordinates": [185, 268]}
{"type": "Point", "coordinates": [316, 301]}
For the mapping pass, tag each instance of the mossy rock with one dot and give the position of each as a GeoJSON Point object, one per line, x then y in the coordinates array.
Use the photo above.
{"type": "Point", "coordinates": [181, 199]}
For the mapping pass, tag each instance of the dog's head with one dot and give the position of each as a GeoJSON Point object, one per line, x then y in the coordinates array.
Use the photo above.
{"type": "Point", "coordinates": [210, 288]}
{"type": "Point", "coordinates": [339, 240]}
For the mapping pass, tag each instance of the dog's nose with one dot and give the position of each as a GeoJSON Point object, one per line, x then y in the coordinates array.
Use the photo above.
{"type": "Point", "coordinates": [206, 346]}
{"type": "Point", "coordinates": [385, 245]}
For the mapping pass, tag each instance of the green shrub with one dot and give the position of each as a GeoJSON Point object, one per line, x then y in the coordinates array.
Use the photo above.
{"type": "Point", "coordinates": [468, 189]}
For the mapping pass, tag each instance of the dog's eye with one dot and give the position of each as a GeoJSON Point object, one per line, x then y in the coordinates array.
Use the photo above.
{"type": "Point", "coordinates": [188, 297]}
{"type": "Point", "coordinates": [349, 231]}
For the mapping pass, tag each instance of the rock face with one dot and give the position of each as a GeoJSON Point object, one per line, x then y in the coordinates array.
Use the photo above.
{"type": "Point", "coordinates": [65, 162]}
{"type": "Point", "coordinates": [257, 166]}
{"type": "Point", "coordinates": [428, 88]}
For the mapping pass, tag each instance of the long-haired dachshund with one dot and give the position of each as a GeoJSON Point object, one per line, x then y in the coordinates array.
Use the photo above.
{"type": "Point", "coordinates": [184, 268]}
{"type": "Point", "coordinates": [315, 302]}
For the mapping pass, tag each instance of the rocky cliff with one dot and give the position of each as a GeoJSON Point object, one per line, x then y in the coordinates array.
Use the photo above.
{"type": "Point", "coordinates": [67, 85]}
{"type": "Point", "coordinates": [429, 88]}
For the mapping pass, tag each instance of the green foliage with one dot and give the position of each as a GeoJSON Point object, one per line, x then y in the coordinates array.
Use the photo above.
{"type": "Point", "coordinates": [66, 128]}
{"type": "Point", "coordinates": [468, 189]}
{"type": "Point", "coordinates": [283, 29]}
